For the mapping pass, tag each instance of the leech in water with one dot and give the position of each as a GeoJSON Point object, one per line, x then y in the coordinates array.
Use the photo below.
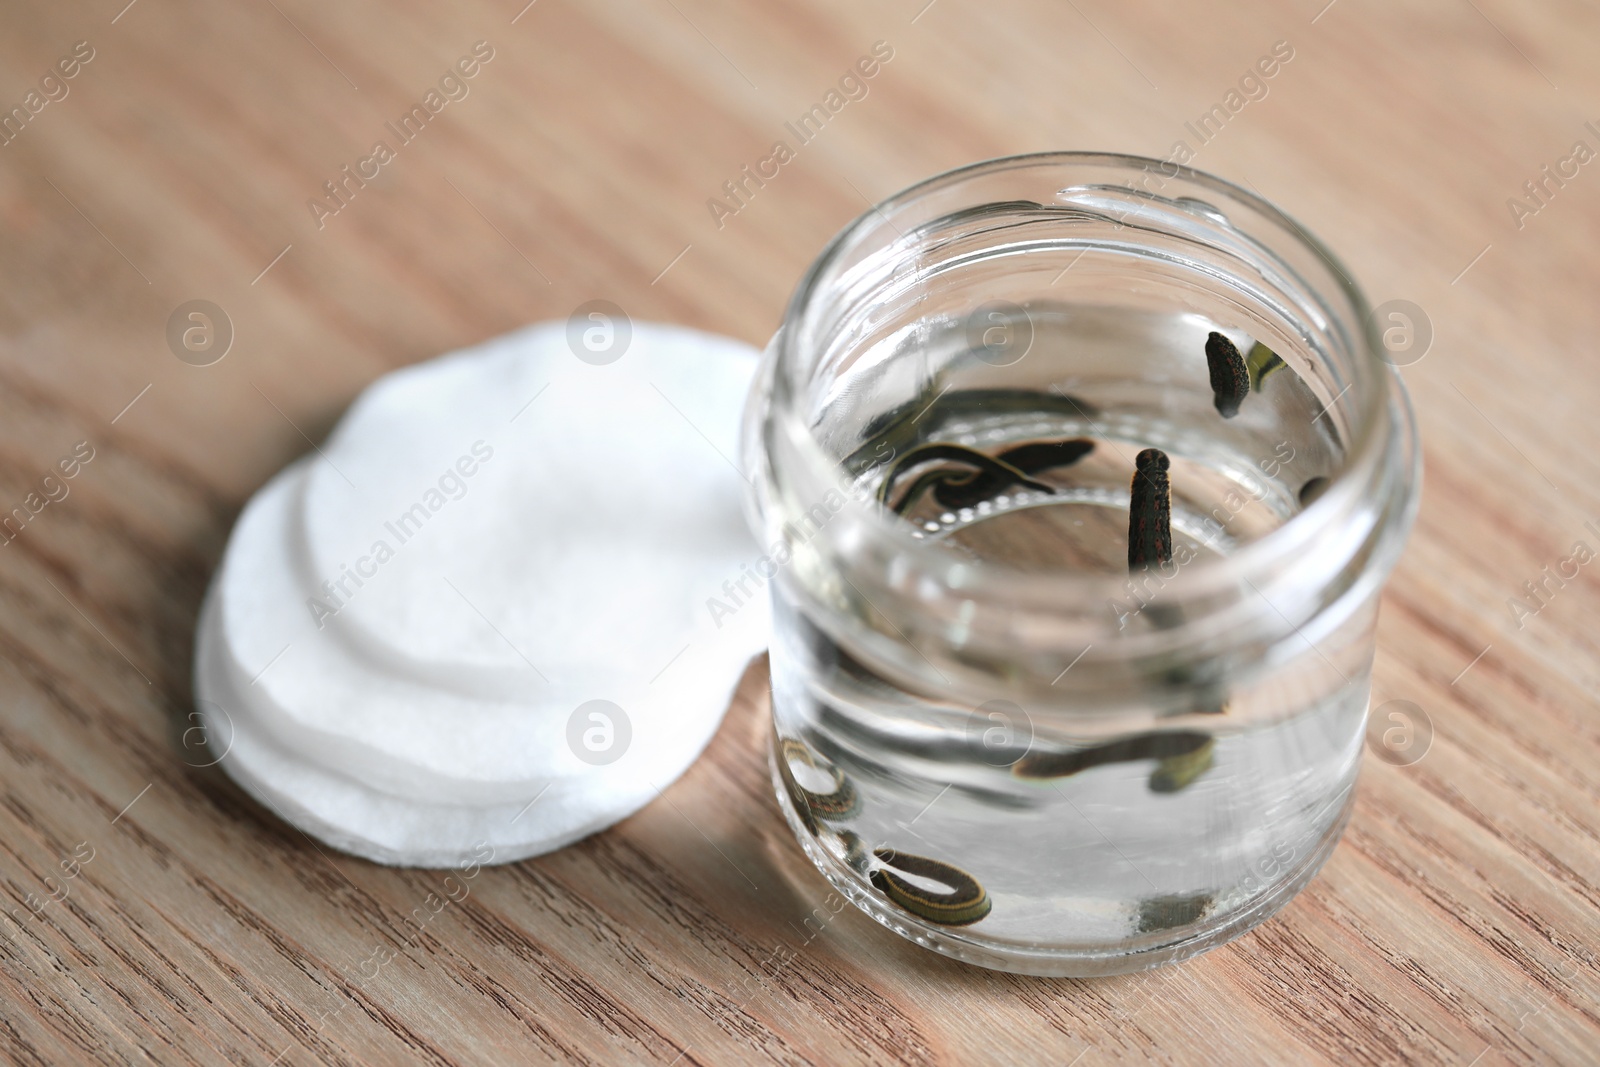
{"type": "Point", "coordinates": [893, 432]}
{"type": "Point", "coordinates": [1230, 380]}
{"type": "Point", "coordinates": [855, 851]}
{"type": "Point", "coordinates": [1169, 913]}
{"type": "Point", "coordinates": [940, 479]}
{"type": "Point", "coordinates": [1034, 457]}
{"type": "Point", "coordinates": [1175, 772]}
{"type": "Point", "coordinates": [842, 802]}
{"type": "Point", "coordinates": [1150, 511]}
{"type": "Point", "coordinates": [1165, 746]}
{"type": "Point", "coordinates": [1150, 545]}
{"type": "Point", "coordinates": [999, 470]}
{"type": "Point", "coordinates": [1261, 362]}
{"type": "Point", "coordinates": [964, 904]}
{"type": "Point", "coordinates": [1150, 524]}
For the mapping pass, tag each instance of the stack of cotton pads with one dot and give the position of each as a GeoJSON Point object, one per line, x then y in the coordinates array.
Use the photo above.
{"type": "Point", "coordinates": [481, 613]}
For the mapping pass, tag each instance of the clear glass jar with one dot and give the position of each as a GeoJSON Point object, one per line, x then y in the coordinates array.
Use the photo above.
{"type": "Point", "coordinates": [989, 732]}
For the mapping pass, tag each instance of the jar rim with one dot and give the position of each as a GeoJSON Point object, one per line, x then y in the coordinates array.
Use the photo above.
{"type": "Point", "coordinates": [1381, 427]}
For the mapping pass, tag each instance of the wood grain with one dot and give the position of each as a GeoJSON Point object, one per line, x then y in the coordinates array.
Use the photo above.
{"type": "Point", "coordinates": [1457, 923]}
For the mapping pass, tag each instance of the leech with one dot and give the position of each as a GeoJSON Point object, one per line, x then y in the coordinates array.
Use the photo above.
{"type": "Point", "coordinates": [797, 797]}
{"type": "Point", "coordinates": [1150, 511]}
{"type": "Point", "coordinates": [964, 904]}
{"type": "Point", "coordinates": [940, 478]}
{"type": "Point", "coordinates": [1176, 772]}
{"type": "Point", "coordinates": [1311, 490]}
{"type": "Point", "coordinates": [1151, 544]}
{"type": "Point", "coordinates": [964, 489]}
{"type": "Point", "coordinates": [1168, 913]}
{"type": "Point", "coordinates": [1230, 381]}
{"type": "Point", "coordinates": [855, 851]}
{"type": "Point", "coordinates": [839, 804]}
{"type": "Point", "coordinates": [1032, 458]}
{"type": "Point", "coordinates": [986, 464]}
{"type": "Point", "coordinates": [1036, 456]}
{"type": "Point", "coordinates": [900, 428]}
{"type": "Point", "coordinates": [1166, 746]}
{"type": "Point", "coordinates": [1261, 362]}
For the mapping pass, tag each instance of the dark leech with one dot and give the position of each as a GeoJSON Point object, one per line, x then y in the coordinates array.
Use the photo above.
{"type": "Point", "coordinates": [940, 478]}
{"type": "Point", "coordinates": [954, 491]}
{"type": "Point", "coordinates": [842, 802]}
{"type": "Point", "coordinates": [1311, 490]}
{"type": "Point", "coordinates": [1150, 511]}
{"type": "Point", "coordinates": [1261, 362]}
{"type": "Point", "coordinates": [985, 464]}
{"type": "Point", "coordinates": [1151, 544]}
{"type": "Point", "coordinates": [892, 432]}
{"type": "Point", "coordinates": [1034, 457]}
{"type": "Point", "coordinates": [1230, 381]}
{"type": "Point", "coordinates": [1164, 746]}
{"type": "Point", "coordinates": [964, 904]}
{"type": "Point", "coordinates": [1183, 755]}
{"type": "Point", "coordinates": [855, 851]}
{"type": "Point", "coordinates": [797, 795]}
{"type": "Point", "coordinates": [1169, 913]}
{"type": "Point", "coordinates": [1175, 772]}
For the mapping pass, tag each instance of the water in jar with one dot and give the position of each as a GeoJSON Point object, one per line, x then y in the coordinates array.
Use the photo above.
{"type": "Point", "coordinates": [961, 824]}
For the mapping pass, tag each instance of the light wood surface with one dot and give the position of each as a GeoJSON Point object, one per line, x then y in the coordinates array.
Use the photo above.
{"type": "Point", "coordinates": [1457, 922]}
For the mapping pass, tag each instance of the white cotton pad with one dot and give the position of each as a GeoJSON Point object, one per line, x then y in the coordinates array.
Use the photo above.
{"type": "Point", "coordinates": [620, 474]}
{"type": "Point", "coordinates": [425, 740]}
{"type": "Point", "coordinates": [381, 826]}
{"type": "Point", "coordinates": [487, 543]}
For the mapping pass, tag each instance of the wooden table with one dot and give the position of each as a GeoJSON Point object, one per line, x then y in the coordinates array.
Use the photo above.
{"type": "Point", "coordinates": [1455, 924]}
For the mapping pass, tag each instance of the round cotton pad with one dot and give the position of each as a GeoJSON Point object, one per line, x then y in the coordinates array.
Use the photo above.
{"type": "Point", "coordinates": [618, 478]}
{"type": "Point", "coordinates": [359, 716]}
{"type": "Point", "coordinates": [381, 826]}
{"type": "Point", "coordinates": [493, 583]}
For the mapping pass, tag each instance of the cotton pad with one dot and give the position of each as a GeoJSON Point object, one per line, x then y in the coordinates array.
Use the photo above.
{"type": "Point", "coordinates": [379, 825]}
{"type": "Point", "coordinates": [492, 584]}
{"type": "Point", "coordinates": [372, 721]}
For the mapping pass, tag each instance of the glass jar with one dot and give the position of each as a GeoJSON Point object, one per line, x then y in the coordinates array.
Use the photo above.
{"type": "Point", "coordinates": [989, 731]}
